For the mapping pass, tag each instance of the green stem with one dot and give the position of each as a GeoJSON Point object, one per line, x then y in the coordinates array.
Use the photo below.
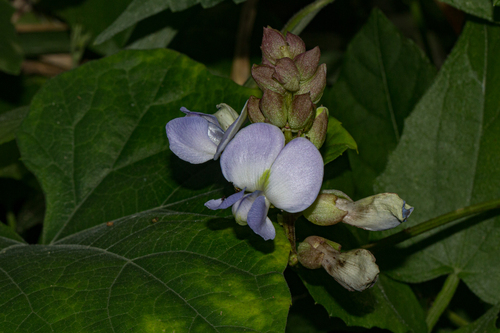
{"type": "Point", "coordinates": [442, 301]}
{"type": "Point", "coordinates": [300, 20]}
{"type": "Point", "coordinates": [456, 319]}
{"type": "Point", "coordinates": [434, 223]}
{"type": "Point", "coordinates": [288, 221]}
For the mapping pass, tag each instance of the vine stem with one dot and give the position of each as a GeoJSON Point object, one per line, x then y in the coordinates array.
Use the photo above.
{"type": "Point", "coordinates": [302, 18]}
{"type": "Point", "coordinates": [442, 301]}
{"type": "Point", "coordinates": [434, 223]}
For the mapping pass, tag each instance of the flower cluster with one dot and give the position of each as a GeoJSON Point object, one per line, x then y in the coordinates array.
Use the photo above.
{"type": "Point", "coordinates": [275, 162]}
{"type": "Point", "coordinates": [292, 85]}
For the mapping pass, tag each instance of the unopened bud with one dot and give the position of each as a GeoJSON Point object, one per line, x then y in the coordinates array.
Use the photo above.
{"type": "Point", "coordinates": [263, 76]}
{"type": "Point", "coordinates": [225, 116]}
{"type": "Point", "coordinates": [317, 132]}
{"type": "Point", "coordinates": [315, 85]}
{"type": "Point", "coordinates": [301, 113]}
{"type": "Point", "coordinates": [307, 63]}
{"type": "Point", "coordinates": [354, 270]}
{"type": "Point", "coordinates": [273, 108]}
{"type": "Point", "coordinates": [378, 212]}
{"type": "Point", "coordinates": [254, 113]}
{"type": "Point", "coordinates": [287, 74]}
{"type": "Point", "coordinates": [324, 210]}
{"type": "Point", "coordinates": [274, 45]}
{"type": "Point", "coordinates": [296, 45]}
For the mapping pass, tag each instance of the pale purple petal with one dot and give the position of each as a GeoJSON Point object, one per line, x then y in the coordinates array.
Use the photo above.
{"type": "Point", "coordinates": [296, 176]}
{"type": "Point", "coordinates": [231, 131]}
{"type": "Point", "coordinates": [250, 154]}
{"type": "Point", "coordinates": [258, 221]}
{"type": "Point", "coordinates": [189, 139]}
{"type": "Point", "coordinates": [209, 117]}
{"type": "Point", "coordinates": [224, 203]}
{"type": "Point", "coordinates": [240, 209]}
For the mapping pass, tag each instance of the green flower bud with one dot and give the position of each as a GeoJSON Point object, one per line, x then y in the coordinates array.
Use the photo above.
{"type": "Point", "coordinates": [225, 116]}
{"type": "Point", "coordinates": [315, 85]}
{"type": "Point", "coordinates": [254, 113]}
{"type": "Point", "coordinates": [324, 210]}
{"type": "Point", "coordinates": [263, 76]}
{"type": "Point", "coordinates": [301, 113]}
{"type": "Point", "coordinates": [273, 108]}
{"type": "Point", "coordinates": [317, 132]}
{"type": "Point", "coordinates": [296, 45]}
{"type": "Point", "coordinates": [274, 45]}
{"type": "Point", "coordinates": [355, 270]}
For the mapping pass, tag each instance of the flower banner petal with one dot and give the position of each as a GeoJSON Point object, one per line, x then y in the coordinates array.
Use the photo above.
{"type": "Point", "coordinates": [296, 176]}
{"type": "Point", "coordinates": [251, 152]}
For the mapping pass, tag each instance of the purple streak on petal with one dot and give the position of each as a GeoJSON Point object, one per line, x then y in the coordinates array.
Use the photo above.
{"type": "Point", "coordinates": [406, 212]}
{"type": "Point", "coordinates": [258, 221]}
{"type": "Point", "coordinates": [251, 152]}
{"type": "Point", "coordinates": [231, 131]}
{"type": "Point", "coordinates": [296, 176]}
{"type": "Point", "coordinates": [189, 140]}
{"type": "Point", "coordinates": [224, 203]}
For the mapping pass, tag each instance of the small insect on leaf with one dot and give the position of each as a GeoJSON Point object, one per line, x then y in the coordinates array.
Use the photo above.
{"type": "Point", "coordinates": [155, 219]}
{"type": "Point", "coordinates": [110, 224]}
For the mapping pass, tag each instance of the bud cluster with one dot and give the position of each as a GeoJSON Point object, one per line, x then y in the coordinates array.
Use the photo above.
{"type": "Point", "coordinates": [292, 85]}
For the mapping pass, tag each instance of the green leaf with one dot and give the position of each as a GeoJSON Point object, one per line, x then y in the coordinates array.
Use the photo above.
{"type": "Point", "coordinates": [10, 121]}
{"type": "Point", "coordinates": [141, 9]}
{"type": "Point", "coordinates": [389, 304]}
{"type": "Point", "coordinates": [132, 246]}
{"type": "Point", "coordinates": [11, 54]}
{"type": "Point", "coordinates": [481, 8]}
{"type": "Point", "coordinates": [8, 238]}
{"type": "Point", "coordinates": [496, 3]}
{"type": "Point", "coordinates": [383, 76]}
{"type": "Point", "coordinates": [156, 40]}
{"type": "Point", "coordinates": [485, 324]}
{"type": "Point", "coordinates": [337, 141]}
{"type": "Point", "coordinates": [449, 158]}
{"type": "Point", "coordinates": [184, 273]}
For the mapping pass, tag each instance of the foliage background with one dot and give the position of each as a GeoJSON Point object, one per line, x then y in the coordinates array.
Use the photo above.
{"type": "Point", "coordinates": [123, 242]}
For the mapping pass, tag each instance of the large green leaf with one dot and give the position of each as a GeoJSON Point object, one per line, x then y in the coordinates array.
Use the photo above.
{"type": "Point", "coordinates": [389, 304]}
{"type": "Point", "coordinates": [10, 121]}
{"type": "Point", "coordinates": [481, 8]}
{"type": "Point", "coordinates": [132, 246]}
{"type": "Point", "coordinates": [337, 141]}
{"type": "Point", "coordinates": [141, 9]}
{"type": "Point", "coordinates": [11, 55]}
{"type": "Point", "coordinates": [183, 273]}
{"type": "Point", "coordinates": [448, 158]}
{"type": "Point", "coordinates": [383, 76]}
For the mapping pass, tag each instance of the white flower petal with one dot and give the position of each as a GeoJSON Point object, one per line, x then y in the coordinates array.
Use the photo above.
{"type": "Point", "coordinates": [189, 140]}
{"type": "Point", "coordinates": [258, 221]}
{"type": "Point", "coordinates": [296, 176]}
{"type": "Point", "coordinates": [250, 154]}
{"type": "Point", "coordinates": [231, 131]}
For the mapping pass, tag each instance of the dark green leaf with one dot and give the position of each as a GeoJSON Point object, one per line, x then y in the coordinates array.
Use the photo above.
{"type": "Point", "coordinates": [156, 40]}
{"type": "Point", "coordinates": [481, 8]}
{"type": "Point", "coordinates": [337, 141]}
{"type": "Point", "coordinates": [485, 324]}
{"type": "Point", "coordinates": [183, 273]}
{"type": "Point", "coordinates": [8, 238]}
{"type": "Point", "coordinates": [141, 9]}
{"type": "Point", "coordinates": [10, 121]}
{"type": "Point", "coordinates": [389, 304]}
{"type": "Point", "coordinates": [383, 76]}
{"type": "Point", "coordinates": [449, 158]}
{"type": "Point", "coordinates": [11, 55]}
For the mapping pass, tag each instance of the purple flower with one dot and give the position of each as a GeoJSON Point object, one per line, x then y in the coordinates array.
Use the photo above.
{"type": "Point", "coordinates": [258, 162]}
{"type": "Point", "coordinates": [199, 137]}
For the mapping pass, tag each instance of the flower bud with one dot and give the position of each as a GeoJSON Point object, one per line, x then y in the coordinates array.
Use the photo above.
{"type": "Point", "coordinates": [315, 85]}
{"type": "Point", "coordinates": [307, 63]}
{"type": "Point", "coordinates": [317, 133]}
{"type": "Point", "coordinates": [287, 74]}
{"type": "Point", "coordinates": [324, 210]}
{"type": "Point", "coordinates": [274, 45]}
{"type": "Point", "coordinates": [225, 116]}
{"type": "Point", "coordinates": [263, 76]}
{"type": "Point", "coordinates": [301, 113]}
{"type": "Point", "coordinates": [296, 45]}
{"type": "Point", "coordinates": [354, 270]}
{"type": "Point", "coordinates": [273, 108]}
{"type": "Point", "coordinates": [378, 212]}
{"type": "Point", "coordinates": [254, 113]}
